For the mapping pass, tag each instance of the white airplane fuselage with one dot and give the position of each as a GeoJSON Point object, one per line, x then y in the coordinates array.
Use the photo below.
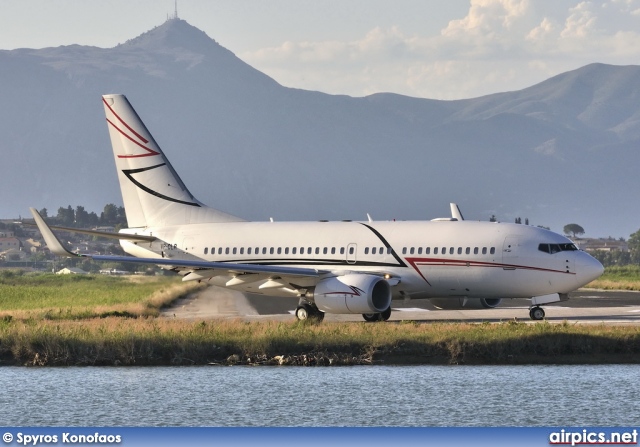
{"type": "Point", "coordinates": [430, 258]}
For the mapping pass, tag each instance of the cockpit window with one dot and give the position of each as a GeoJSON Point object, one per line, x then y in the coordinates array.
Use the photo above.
{"type": "Point", "coordinates": [556, 248]}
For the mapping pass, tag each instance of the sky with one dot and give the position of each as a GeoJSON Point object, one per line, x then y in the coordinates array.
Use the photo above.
{"type": "Point", "coordinates": [439, 49]}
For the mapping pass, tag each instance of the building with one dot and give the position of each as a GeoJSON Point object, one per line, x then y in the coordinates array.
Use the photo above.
{"type": "Point", "coordinates": [71, 271]}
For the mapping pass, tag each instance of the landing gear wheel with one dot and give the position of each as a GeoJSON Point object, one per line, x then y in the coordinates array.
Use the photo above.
{"type": "Point", "coordinates": [536, 313]}
{"type": "Point", "coordinates": [308, 312]}
{"type": "Point", "coordinates": [303, 312]}
{"type": "Point", "coordinates": [384, 316]}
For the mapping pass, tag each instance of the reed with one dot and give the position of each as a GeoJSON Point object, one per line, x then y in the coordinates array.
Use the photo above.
{"type": "Point", "coordinates": [115, 341]}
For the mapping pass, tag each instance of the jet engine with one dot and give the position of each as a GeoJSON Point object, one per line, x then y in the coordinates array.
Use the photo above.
{"type": "Point", "coordinates": [465, 303]}
{"type": "Point", "coordinates": [353, 294]}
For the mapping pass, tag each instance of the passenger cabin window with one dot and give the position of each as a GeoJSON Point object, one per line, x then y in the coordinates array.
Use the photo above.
{"type": "Point", "coordinates": [484, 250]}
{"type": "Point", "coordinates": [427, 250]}
{"type": "Point", "coordinates": [435, 250]}
{"type": "Point", "coordinates": [493, 250]}
{"type": "Point", "coordinates": [412, 250]}
{"type": "Point", "coordinates": [468, 250]}
{"type": "Point", "coordinates": [351, 250]}
{"type": "Point", "coordinates": [451, 250]}
{"type": "Point", "coordinates": [419, 250]}
{"type": "Point", "coordinates": [341, 250]}
{"type": "Point", "coordinates": [206, 250]}
{"type": "Point", "coordinates": [475, 250]}
{"type": "Point", "coordinates": [459, 250]}
{"type": "Point", "coordinates": [366, 250]}
{"type": "Point", "coordinates": [404, 250]}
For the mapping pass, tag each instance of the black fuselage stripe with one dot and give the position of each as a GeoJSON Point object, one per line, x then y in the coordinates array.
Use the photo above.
{"type": "Point", "coordinates": [386, 244]}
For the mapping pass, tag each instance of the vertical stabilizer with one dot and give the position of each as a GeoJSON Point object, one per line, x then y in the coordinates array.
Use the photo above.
{"type": "Point", "coordinates": [152, 192]}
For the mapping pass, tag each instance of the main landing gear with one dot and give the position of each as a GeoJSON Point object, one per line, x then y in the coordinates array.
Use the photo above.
{"type": "Point", "coordinates": [307, 311]}
{"type": "Point", "coordinates": [536, 313]}
{"type": "Point", "coordinates": [383, 316]}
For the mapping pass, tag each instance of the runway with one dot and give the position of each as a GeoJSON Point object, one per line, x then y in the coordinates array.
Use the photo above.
{"type": "Point", "coordinates": [585, 306]}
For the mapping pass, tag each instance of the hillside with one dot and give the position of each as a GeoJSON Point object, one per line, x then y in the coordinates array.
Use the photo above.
{"type": "Point", "coordinates": [561, 151]}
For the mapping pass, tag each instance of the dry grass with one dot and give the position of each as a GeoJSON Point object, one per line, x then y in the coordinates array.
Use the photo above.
{"type": "Point", "coordinates": [114, 341]}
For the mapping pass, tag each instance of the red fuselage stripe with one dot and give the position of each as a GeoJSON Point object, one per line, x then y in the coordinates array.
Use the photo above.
{"type": "Point", "coordinates": [435, 262]}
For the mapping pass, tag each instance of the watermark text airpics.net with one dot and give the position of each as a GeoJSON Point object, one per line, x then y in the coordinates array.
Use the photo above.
{"type": "Point", "coordinates": [587, 437]}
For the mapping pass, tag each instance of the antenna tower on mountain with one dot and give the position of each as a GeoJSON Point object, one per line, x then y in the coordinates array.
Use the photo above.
{"type": "Point", "coordinates": [175, 12]}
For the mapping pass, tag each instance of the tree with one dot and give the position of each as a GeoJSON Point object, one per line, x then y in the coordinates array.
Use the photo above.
{"type": "Point", "coordinates": [493, 218]}
{"type": "Point", "coordinates": [573, 229]}
{"type": "Point", "coordinates": [110, 214]}
{"type": "Point", "coordinates": [66, 216]}
{"type": "Point", "coordinates": [634, 242]}
{"type": "Point", "coordinates": [82, 217]}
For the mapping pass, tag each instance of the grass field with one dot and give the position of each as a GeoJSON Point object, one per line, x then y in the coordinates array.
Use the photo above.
{"type": "Point", "coordinates": [618, 278]}
{"type": "Point", "coordinates": [76, 320]}
{"type": "Point", "coordinates": [52, 296]}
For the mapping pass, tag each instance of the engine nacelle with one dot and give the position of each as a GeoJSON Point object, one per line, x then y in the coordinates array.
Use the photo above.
{"type": "Point", "coordinates": [353, 294]}
{"type": "Point", "coordinates": [465, 303]}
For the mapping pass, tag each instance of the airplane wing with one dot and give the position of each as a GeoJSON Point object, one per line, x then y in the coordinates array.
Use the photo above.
{"type": "Point", "coordinates": [195, 269]}
{"type": "Point", "coordinates": [130, 237]}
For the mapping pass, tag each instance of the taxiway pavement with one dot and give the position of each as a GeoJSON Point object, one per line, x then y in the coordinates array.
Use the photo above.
{"type": "Point", "coordinates": [585, 306]}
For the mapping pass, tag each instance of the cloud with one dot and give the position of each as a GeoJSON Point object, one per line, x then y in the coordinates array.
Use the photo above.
{"type": "Point", "coordinates": [498, 45]}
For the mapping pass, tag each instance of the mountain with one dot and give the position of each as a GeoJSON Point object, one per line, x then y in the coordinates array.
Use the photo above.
{"type": "Point", "coordinates": [562, 151]}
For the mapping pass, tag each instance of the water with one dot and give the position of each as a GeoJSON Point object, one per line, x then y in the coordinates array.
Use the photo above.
{"type": "Point", "coordinates": [345, 396]}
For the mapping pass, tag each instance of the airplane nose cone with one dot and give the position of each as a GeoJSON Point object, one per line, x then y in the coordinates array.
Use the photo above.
{"type": "Point", "coordinates": [588, 269]}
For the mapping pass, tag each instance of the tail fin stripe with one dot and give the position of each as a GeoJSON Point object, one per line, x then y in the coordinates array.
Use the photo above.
{"type": "Point", "coordinates": [125, 124]}
{"type": "Point", "coordinates": [149, 153]}
{"type": "Point", "coordinates": [129, 173]}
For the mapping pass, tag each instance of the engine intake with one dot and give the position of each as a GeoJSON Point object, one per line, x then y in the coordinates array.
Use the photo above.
{"type": "Point", "coordinates": [353, 294]}
{"type": "Point", "coordinates": [465, 303]}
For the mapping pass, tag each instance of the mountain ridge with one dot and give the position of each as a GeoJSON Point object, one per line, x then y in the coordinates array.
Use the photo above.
{"type": "Point", "coordinates": [254, 148]}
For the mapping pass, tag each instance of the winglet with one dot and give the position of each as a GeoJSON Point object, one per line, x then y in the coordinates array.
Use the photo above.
{"type": "Point", "coordinates": [455, 212]}
{"type": "Point", "coordinates": [50, 239]}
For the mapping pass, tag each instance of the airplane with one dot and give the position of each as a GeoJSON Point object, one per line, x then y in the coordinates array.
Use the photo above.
{"type": "Point", "coordinates": [344, 267]}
